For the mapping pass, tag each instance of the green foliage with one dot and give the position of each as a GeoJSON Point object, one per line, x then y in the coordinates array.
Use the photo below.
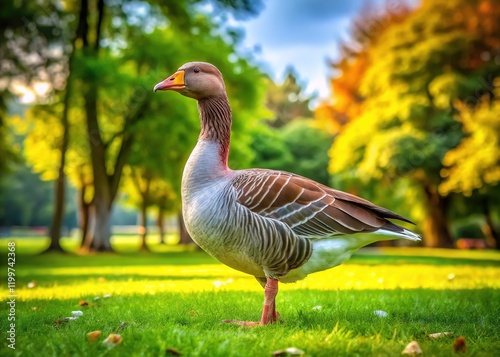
{"type": "Point", "coordinates": [298, 147]}
{"type": "Point", "coordinates": [27, 201]}
{"type": "Point", "coordinates": [286, 100]}
{"type": "Point", "coordinates": [465, 172]}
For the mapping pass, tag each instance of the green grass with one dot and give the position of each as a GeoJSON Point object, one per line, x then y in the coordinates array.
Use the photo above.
{"type": "Point", "coordinates": [169, 300]}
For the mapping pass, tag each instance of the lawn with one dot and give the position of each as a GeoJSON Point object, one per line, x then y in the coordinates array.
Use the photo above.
{"type": "Point", "coordinates": [176, 300]}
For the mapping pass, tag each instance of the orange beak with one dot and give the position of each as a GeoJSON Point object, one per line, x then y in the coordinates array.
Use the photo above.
{"type": "Point", "coordinates": [174, 82]}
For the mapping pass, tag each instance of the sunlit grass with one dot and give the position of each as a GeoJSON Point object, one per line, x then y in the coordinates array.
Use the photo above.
{"type": "Point", "coordinates": [76, 282]}
{"type": "Point", "coordinates": [178, 299]}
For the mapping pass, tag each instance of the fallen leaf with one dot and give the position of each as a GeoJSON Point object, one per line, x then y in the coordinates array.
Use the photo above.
{"type": "Point", "coordinates": [380, 313]}
{"type": "Point", "coordinates": [317, 307]}
{"type": "Point", "coordinates": [94, 335]}
{"type": "Point", "coordinates": [83, 303]}
{"type": "Point", "coordinates": [459, 345]}
{"type": "Point", "coordinates": [31, 284]}
{"type": "Point", "coordinates": [96, 298]}
{"type": "Point", "coordinates": [112, 340]}
{"type": "Point", "coordinates": [172, 351]}
{"type": "Point", "coordinates": [440, 334]}
{"type": "Point", "coordinates": [290, 351]}
{"type": "Point", "coordinates": [60, 322]}
{"type": "Point", "coordinates": [106, 296]}
{"type": "Point", "coordinates": [71, 318]}
{"type": "Point", "coordinates": [451, 276]}
{"type": "Point", "coordinates": [192, 312]}
{"type": "Point", "coordinates": [413, 348]}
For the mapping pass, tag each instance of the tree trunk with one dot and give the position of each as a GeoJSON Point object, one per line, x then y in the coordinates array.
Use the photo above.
{"type": "Point", "coordinates": [184, 237]}
{"type": "Point", "coordinates": [160, 223]}
{"type": "Point", "coordinates": [83, 216]}
{"type": "Point", "coordinates": [101, 241]}
{"type": "Point", "coordinates": [88, 235]}
{"type": "Point", "coordinates": [60, 184]}
{"type": "Point", "coordinates": [490, 232]}
{"type": "Point", "coordinates": [58, 214]}
{"type": "Point", "coordinates": [144, 224]}
{"type": "Point", "coordinates": [436, 230]}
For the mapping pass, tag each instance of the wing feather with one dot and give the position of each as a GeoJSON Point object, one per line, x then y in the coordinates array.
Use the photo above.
{"type": "Point", "coordinates": [309, 208]}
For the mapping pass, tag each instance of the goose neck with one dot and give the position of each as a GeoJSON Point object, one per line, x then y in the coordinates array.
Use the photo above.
{"type": "Point", "coordinates": [215, 116]}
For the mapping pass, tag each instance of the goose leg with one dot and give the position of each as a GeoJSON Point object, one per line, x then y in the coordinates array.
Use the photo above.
{"type": "Point", "coordinates": [269, 314]}
{"type": "Point", "coordinates": [269, 311]}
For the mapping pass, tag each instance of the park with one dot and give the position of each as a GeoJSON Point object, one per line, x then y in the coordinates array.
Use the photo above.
{"type": "Point", "coordinates": [138, 221]}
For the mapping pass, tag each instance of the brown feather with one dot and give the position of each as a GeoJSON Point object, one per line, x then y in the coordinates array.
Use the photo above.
{"type": "Point", "coordinates": [309, 208]}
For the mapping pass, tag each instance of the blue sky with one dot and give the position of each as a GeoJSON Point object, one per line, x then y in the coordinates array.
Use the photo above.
{"type": "Point", "coordinates": [303, 34]}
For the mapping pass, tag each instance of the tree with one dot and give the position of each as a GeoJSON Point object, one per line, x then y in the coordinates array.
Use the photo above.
{"type": "Point", "coordinates": [477, 174]}
{"type": "Point", "coordinates": [112, 85]}
{"type": "Point", "coordinates": [107, 178]}
{"type": "Point", "coordinates": [418, 68]}
{"type": "Point", "coordinates": [287, 100]}
{"type": "Point", "coordinates": [165, 139]}
{"type": "Point", "coordinates": [29, 31]}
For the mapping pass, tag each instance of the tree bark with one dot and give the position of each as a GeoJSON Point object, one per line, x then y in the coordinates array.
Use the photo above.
{"type": "Point", "coordinates": [144, 225]}
{"type": "Point", "coordinates": [160, 222]}
{"type": "Point", "coordinates": [60, 184]}
{"type": "Point", "coordinates": [101, 240]}
{"type": "Point", "coordinates": [184, 237]}
{"type": "Point", "coordinates": [83, 215]}
{"type": "Point", "coordinates": [490, 232]}
{"type": "Point", "coordinates": [88, 235]}
{"type": "Point", "coordinates": [106, 183]}
{"type": "Point", "coordinates": [58, 214]}
{"type": "Point", "coordinates": [436, 230]}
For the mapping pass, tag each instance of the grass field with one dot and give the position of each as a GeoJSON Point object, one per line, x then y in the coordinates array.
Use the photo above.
{"type": "Point", "coordinates": [177, 300]}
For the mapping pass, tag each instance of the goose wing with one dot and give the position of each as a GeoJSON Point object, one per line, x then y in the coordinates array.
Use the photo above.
{"type": "Point", "coordinates": [310, 209]}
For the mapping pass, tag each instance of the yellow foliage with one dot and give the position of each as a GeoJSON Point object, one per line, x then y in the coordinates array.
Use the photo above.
{"type": "Point", "coordinates": [476, 160]}
{"type": "Point", "coordinates": [41, 146]}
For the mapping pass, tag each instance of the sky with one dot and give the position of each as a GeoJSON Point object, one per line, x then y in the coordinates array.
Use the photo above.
{"type": "Point", "coordinates": [304, 34]}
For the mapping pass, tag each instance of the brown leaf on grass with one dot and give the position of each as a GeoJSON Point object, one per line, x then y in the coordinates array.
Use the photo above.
{"type": "Point", "coordinates": [59, 322]}
{"type": "Point", "coordinates": [172, 351]}
{"type": "Point", "coordinates": [83, 303]}
{"type": "Point", "coordinates": [459, 345]}
{"type": "Point", "coordinates": [413, 348]}
{"type": "Point", "coordinates": [94, 335]}
{"type": "Point", "coordinates": [112, 340]}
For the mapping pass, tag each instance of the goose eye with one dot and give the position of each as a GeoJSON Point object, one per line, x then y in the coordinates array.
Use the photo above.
{"type": "Point", "coordinates": [196, 70]}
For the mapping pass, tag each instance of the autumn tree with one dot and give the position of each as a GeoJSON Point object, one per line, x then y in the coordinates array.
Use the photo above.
{"type": "Point", "coordinates": [473, 167]}
{"type": "Point", "coordinates": [417, 69]}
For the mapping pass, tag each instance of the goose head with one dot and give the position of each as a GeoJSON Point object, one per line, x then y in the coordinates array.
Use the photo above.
{"type": "Point", "coordinates": [197, 80]}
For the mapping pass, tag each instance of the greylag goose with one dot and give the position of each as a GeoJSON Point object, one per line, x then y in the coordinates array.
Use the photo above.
{"type": "Point", "coordinates": [274, 225]}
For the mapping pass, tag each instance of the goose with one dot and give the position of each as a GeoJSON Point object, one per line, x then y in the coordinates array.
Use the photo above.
{"type": "Point", "coordinates": [274, 225]}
